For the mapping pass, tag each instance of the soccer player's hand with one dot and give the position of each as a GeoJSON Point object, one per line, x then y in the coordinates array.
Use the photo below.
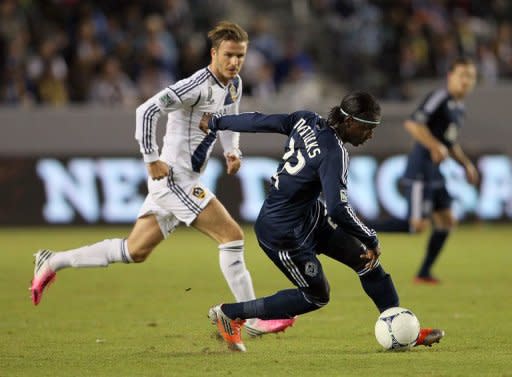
{"type": "Point", "coordinates": [233, 163]}
{"type": "Point", "coordinates": [203, 123]}
{"type": "Point", "coordinates": [471, 174]}
{"type": "Point", "coordinates": [438, 153]}
{"type": "Point", "coordinates": [372, 256]}
{"type": "Point", "coordinates": [158, 170]}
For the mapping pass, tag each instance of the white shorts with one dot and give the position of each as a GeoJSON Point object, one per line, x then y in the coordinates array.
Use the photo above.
{"type": "Point", "coordinates": [177, 198]}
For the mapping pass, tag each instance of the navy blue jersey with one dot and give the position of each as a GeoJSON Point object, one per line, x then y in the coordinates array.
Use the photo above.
{"type": "Point", "coordinates": [443, 115]}
{"type": "Point", "coordinates": [315, 161]}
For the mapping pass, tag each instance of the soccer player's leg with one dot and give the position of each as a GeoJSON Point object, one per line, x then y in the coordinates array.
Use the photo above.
{"type": "Point", "coordinates": [419, 205]}
{"type": "Point", "coordinates": [305, 271]}
{"type": "Point", "coordinates": [146, 234]}
{"type": "Point", "coordinates": [344, 248]}
{"type": "Point", "coordinates": [215, 221]}
{"type": "Point", "coordinates": [151, 227]}
{"type": "Point", "coordinates": [377, 284]}
{"type": "Point", "coordinates": [444, 221]}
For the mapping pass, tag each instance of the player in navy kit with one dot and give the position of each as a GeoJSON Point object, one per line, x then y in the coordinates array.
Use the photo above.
{"type": "Point", "coordinates": [294, 225]}
{"type": "Point", "coordinates": [435, 126]}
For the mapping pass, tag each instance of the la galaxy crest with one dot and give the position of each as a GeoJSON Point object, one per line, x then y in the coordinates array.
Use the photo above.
{"type": "Point", "coordinates": [198, 192]}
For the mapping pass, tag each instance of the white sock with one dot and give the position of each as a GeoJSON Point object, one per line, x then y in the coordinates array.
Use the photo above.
{"type": "Point", "coordinates": [232, 265]}
{"type": "Point", "coordinates": [100, 254]}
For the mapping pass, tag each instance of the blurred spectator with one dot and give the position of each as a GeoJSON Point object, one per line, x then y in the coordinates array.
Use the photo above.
{"type": "Point", "coordinates": [158, 44]}
{"type": "Point", "coordinates": [263, 40]}
{"type": "Point", "coordinates": [52, 51]}
{"type": "Point", "coordinates": [88, 56]}
{"type": "Point", "coordinates": [13, 21]}
{"type": "Point", "coordinates": [192, 54]}
{"type": "Point", "coordinates": [178, 18]}
{"type": "Point", "coordinates": [504, 48]}
{"type": "Point", "coordinates": [258, 76]}
{"type": "Point", "coordinates": [445, 53]}
{"type": "Point", "coordinates": [48, 71]}
{"type": "Point", "coordinates": [152, 79]}
{"type": "Point", "coordinates": [294, 66]}
{"type": "Point", "coordinates": [14, 86]}
{"type": "Point", "coordinates": [488, 67]}
{"type": "Point", "coordinates": [113, 86]}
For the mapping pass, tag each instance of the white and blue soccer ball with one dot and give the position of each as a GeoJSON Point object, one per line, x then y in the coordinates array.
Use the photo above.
{"type": "Point", "coordinates": [397, 329]}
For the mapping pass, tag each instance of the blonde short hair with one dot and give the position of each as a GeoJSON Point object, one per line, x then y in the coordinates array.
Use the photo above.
{"type": "Point", "coordinates": [227, 31]}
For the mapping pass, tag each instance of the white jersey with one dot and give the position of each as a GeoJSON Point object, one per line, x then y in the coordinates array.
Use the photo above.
{"type": "Point", "coordinates": [186, 148]}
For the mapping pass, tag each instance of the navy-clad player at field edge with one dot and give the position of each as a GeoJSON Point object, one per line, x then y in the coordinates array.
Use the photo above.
{"type": "Point", "coordinates": [294, 225]}
{"type": "Point", "coordinates": [434, 126]}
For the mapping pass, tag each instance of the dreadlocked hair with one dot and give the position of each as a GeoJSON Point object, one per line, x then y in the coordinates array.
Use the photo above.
{"type": "Point", "coordinates": [358, 104]}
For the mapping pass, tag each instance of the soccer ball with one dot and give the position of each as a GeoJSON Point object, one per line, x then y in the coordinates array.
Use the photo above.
{"type": "Point", "coordinates": [397, 329]}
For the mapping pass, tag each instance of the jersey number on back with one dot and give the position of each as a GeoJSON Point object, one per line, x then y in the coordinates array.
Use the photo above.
{"type": "Point", "coordinates": [290, 168]}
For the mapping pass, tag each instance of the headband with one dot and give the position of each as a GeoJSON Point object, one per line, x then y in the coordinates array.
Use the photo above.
{"type": "Point", "coordinates": [376, 122]}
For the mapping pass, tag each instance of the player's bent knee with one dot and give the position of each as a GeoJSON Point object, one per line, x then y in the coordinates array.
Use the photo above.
{"type": "Point", "coordinates": [318, 297]}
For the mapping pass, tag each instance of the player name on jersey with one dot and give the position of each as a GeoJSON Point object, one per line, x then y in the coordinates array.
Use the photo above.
{"type": "Point", "coordinates": [309, 138]}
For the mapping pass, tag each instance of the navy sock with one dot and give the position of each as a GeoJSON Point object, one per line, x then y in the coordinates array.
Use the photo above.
{"type": "Point", "coordinates": [392, 226]}
{"type": "Point", "coordinates": [379, 286]}
{"type": "Point", "coordinates": [435, 244]}
{"type": "Point", "coordinates": [284, 304]}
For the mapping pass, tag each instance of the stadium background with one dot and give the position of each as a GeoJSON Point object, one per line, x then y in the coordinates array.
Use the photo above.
{"type": "Point", "coordinates": [73, 73]}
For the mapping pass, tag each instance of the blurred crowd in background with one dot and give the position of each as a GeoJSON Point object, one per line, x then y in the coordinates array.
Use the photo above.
{"type": "Point", "coordinates": [121, 52]}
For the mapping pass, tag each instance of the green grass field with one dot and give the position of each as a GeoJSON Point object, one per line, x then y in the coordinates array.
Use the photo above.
{"type": "Point", "coordinates": [150, 319]}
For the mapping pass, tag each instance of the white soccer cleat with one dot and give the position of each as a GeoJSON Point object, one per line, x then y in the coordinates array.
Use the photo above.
{"type": "Point", "coordinates": [260, 327]}
{"type": "Point", "coordinates": [43, 275]}
{"type": "Point", "coordinates": [229, 329]}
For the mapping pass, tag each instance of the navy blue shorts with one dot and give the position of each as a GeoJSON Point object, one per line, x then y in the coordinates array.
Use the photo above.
{"type": "Point", "coordinates": [424, 198]}
{"type": "Point", "coordinates": [302, 266]}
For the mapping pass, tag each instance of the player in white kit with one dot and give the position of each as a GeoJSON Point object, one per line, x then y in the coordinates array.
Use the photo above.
{"type": "Point", "coordinates": [175, 192]}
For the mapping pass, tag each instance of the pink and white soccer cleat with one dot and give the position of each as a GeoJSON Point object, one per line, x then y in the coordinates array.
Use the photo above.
{"type": "Point", "coordinates": [43, 275]}
{"type": "Point", "coordinates": [258, 327]}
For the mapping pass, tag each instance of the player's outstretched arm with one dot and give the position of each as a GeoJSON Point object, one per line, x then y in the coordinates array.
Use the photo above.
{"type": "Point", "coordinates": [253, 122]}
{"type": "Point", "coordinates": [421, 133]}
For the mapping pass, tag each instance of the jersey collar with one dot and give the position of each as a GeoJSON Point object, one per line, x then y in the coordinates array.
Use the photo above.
{"type": "Point", "coordinates": [215, 78]}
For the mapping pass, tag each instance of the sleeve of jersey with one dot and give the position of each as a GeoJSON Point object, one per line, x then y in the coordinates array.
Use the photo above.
{"type": "Point", "coordinates": [253, 122]}
{"type": "Point", "coordinates": [333, 173]}
{"type": "Point", "coordinates": [428, 107]}
{"type": "Point", "coordinates": [230, 140]}
{"type": "Point", "coordinates": [146, 120]}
